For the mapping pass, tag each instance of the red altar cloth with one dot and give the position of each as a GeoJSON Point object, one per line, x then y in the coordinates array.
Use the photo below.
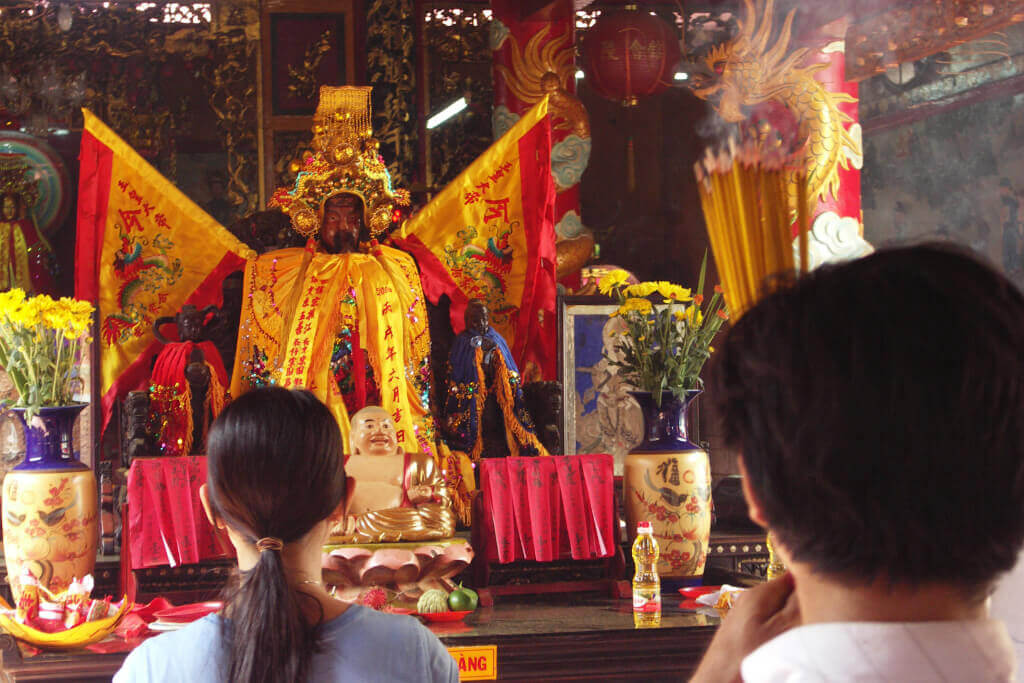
{"type": "Point", "coordinates": [548, 507]}
{"type": "Point", "coordinates": [165, 521]}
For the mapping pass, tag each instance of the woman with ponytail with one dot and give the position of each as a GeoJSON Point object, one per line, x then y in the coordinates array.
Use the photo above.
{"type": "Point", "coordinates": [275, 482]}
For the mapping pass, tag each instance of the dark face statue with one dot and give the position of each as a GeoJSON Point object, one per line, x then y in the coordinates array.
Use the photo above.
{"type": "Point", "coordinates": [477, 318]}
{"type": "Point", "coordinates": [342, 224]}
{"type": "Point", "coordinates": [190, 323]}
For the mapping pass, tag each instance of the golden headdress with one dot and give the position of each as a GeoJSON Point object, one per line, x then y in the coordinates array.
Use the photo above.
{"type": "Point", "coordinates": [16, 179]}
{"type": "Point", "coordinates": [344, 161]}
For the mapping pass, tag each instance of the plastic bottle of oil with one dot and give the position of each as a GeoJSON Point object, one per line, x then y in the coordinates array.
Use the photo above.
{"type": "Point", "coordinates": [646, 583]}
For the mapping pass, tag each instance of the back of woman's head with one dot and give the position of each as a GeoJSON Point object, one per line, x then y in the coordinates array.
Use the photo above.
{"type": "Point", "coordinates": [275, 469]}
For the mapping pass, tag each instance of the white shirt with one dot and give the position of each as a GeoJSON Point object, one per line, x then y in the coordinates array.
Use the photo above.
{"type": "Point", "coordinates": [1008, 604]}
{"type": "Point", "coordinates": [974, 651]}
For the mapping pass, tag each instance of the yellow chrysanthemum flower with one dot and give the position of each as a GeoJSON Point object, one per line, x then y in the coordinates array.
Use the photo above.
{"type": "Point", "coordinates": [11, 300]}
{"type": "Point", "coordinates": [642, 306]}
{"type": "Point", "coordinates": [612, 280]}
{"type": "Point", "coordinates": [673, 292]}
{"type": "Point", "coordinates": [641, 290]}
{"type": "Point", "coordinates": [28, 314]}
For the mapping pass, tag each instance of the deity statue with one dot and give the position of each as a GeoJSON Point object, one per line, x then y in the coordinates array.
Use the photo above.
{"type": "Point", "coordinates": [25, 255]}
{"type": "Point", "coordinates": [484, 405]}
{"type": "Point", "coordinates": [345, 316]}
{"type": "Point", "coordinates": [393, 495]}
{"type": "Point", "coordinates": [188, 382]}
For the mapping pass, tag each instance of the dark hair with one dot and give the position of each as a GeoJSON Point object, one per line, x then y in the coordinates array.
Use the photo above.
{"type": "Point", "coordinates": [879, 410]}
{"type": "Point", "coordinates": [275, 468]}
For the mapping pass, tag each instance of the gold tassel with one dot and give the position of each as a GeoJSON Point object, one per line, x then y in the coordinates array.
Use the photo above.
{"type": "Point", "coordinates": [186, 408]}
{"type": "Point", "coordinates": [480, 398]}
{"type": "Point", "coordinates": [507, 402]}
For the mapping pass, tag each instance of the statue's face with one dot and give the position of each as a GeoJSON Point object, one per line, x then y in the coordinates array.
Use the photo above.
{"type": "Point", "coordinates": [477, 319]}
{"type": "Point", "coordinates": [342, 224]}
{"type": "Point", "coordinates": [373, 433]}
{"type": "Point", "coordinates": [190, 324]}
{"type": "Point", "coordinates": [9, 208]}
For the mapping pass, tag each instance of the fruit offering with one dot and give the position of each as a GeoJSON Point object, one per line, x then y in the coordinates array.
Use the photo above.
{"type": "Point", "coordinates": [463, 599]}
{"type": "Point", "coordinates": [433, 600]}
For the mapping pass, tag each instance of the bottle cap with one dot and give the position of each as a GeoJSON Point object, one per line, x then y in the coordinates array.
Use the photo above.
{"type": "Point", "coordinates": [643, 526]}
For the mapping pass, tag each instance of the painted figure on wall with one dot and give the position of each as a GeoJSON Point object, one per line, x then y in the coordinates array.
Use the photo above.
{"type": "Point", "coordinates": [25, 255]}
{"type": "Point", "coordinates": [608, 419]}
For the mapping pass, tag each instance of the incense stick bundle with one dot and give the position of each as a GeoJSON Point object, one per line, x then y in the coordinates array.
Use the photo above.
{"type": "Point", "coordinates": [749, 208]}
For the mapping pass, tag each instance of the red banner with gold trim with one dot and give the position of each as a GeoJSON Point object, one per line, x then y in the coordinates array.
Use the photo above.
{"type": "Point", "coordinates": [490, 235]}
{"type": "Point", "coordinates": [143, 251]}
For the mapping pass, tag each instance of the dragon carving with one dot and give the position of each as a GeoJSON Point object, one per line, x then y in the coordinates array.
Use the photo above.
{"type": "Point", "coordinates": [745, 72]}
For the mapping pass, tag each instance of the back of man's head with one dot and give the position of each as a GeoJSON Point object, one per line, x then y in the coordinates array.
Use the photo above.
{"type": "Point", "coordinates": [879, 410]}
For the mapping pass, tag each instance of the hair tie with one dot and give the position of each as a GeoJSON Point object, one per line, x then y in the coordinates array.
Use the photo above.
{"type": "Point", "coordinates": [269, 543]}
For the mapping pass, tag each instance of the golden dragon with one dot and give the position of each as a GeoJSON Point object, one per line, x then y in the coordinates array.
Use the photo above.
{"type": "Point", "coordinates": [745, 72]}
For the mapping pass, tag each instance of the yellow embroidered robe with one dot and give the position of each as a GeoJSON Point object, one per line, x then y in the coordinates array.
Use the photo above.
{"type": "Point", "coordinates": [296, 304]}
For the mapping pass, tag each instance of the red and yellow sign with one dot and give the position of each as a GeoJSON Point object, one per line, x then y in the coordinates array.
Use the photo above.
{"type": "Point", "coordinates": [478, 663]}
{"type": "Point", "coordinates": [144, 250]}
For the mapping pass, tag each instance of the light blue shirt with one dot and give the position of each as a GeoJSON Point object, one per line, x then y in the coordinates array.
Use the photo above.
{"type": "Point", "coordinates": [360, 645]}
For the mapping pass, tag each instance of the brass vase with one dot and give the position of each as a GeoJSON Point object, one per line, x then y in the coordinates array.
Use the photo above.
{"type": "Point", "coordinates": [667, 482]}
{"type": "Point", "coordinates": [50, 522]}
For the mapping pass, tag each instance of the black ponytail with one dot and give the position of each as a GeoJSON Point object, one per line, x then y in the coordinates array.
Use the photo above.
{"type": "Point", "coordinates": [275, 471]}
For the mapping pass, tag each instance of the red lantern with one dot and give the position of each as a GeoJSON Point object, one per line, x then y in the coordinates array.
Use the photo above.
{"type": "Point", "coordinates": [630, 54]}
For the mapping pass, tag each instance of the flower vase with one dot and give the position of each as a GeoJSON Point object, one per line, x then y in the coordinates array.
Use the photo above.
{"type": "Point", "coordinates": [667, 482]}
{"type": "Point", "coordinates": [50, 521]}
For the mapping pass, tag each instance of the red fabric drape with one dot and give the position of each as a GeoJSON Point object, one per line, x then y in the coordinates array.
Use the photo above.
{"type": "Point", "coordinates": [548, 508]}
{"type": "Point", "coordinates": [166, 523]}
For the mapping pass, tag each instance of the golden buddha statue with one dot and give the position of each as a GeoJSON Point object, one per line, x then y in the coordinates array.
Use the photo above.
{"type": "Point", "coordinates": [393, 495]}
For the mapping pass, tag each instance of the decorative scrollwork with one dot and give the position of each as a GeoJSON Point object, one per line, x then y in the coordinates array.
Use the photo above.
{"type": "Point", "coordinates": [303, 79]}
{"type": "Point", "coordinates": [139, 67]}
{"type": "Point", "coordinates": [390, 69]}
{"type": "Point", "coordinates": [459, 60]}
{"type": "Point", "coordinates": [289, 146]}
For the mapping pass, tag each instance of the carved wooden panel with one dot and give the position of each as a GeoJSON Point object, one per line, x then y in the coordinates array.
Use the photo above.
{"type": "Point", "coordinates": [305, 45]}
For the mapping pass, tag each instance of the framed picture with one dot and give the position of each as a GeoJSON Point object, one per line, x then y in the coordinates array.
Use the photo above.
{"type": "Point", "coordinates": [598, 414]}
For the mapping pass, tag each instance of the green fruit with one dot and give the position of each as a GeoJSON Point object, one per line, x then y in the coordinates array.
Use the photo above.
{"type": "Point", "coordinates": [434, 600]}
{"type": "Point", "coordinates": [460, 600]}
{"type": "Point", "coordinates": [474, 599]}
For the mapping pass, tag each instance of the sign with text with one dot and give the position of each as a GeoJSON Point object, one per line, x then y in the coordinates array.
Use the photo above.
{"type": "Point", "coordinates": [478, 663]}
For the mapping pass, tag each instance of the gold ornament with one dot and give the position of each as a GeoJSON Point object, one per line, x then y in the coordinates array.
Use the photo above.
{"type": "Point", "coordinates": [344, 161]}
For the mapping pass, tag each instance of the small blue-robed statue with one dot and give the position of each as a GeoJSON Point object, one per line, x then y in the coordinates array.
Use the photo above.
{"type": "Point", "coordinates": [484, 387]}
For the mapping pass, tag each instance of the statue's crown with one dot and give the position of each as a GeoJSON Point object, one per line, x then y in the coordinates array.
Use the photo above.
{"type": "Point", "coordinates": [344, 161]}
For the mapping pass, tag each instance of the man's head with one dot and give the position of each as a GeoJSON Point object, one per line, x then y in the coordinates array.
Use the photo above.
{"type": "Point", "coordinates": [373, 433]}
{"type": "Point", "coordinates": [878, 407]}
{"type": "Point", "coordinates": [342, 224]}
{"type": "Point", "coordinates": [9, 207]}
{"type": "Point", "coordinates": [477, 317]}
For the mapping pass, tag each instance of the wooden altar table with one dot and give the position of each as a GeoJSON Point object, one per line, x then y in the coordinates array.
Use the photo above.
{"type": "Point", "coordinates": [571, 637]}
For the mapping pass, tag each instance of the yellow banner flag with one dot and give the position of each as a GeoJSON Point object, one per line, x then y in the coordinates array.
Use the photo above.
{"type": "Point", "coordinates": [490, 235]}
{"type": "Point", "coordinates": [143, 251]}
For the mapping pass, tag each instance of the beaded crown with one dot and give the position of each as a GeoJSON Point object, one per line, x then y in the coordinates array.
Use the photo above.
{"type": "Point", "coordinates": [344, 161]}
{"type": "Point", "coordinates": [16, 179]}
